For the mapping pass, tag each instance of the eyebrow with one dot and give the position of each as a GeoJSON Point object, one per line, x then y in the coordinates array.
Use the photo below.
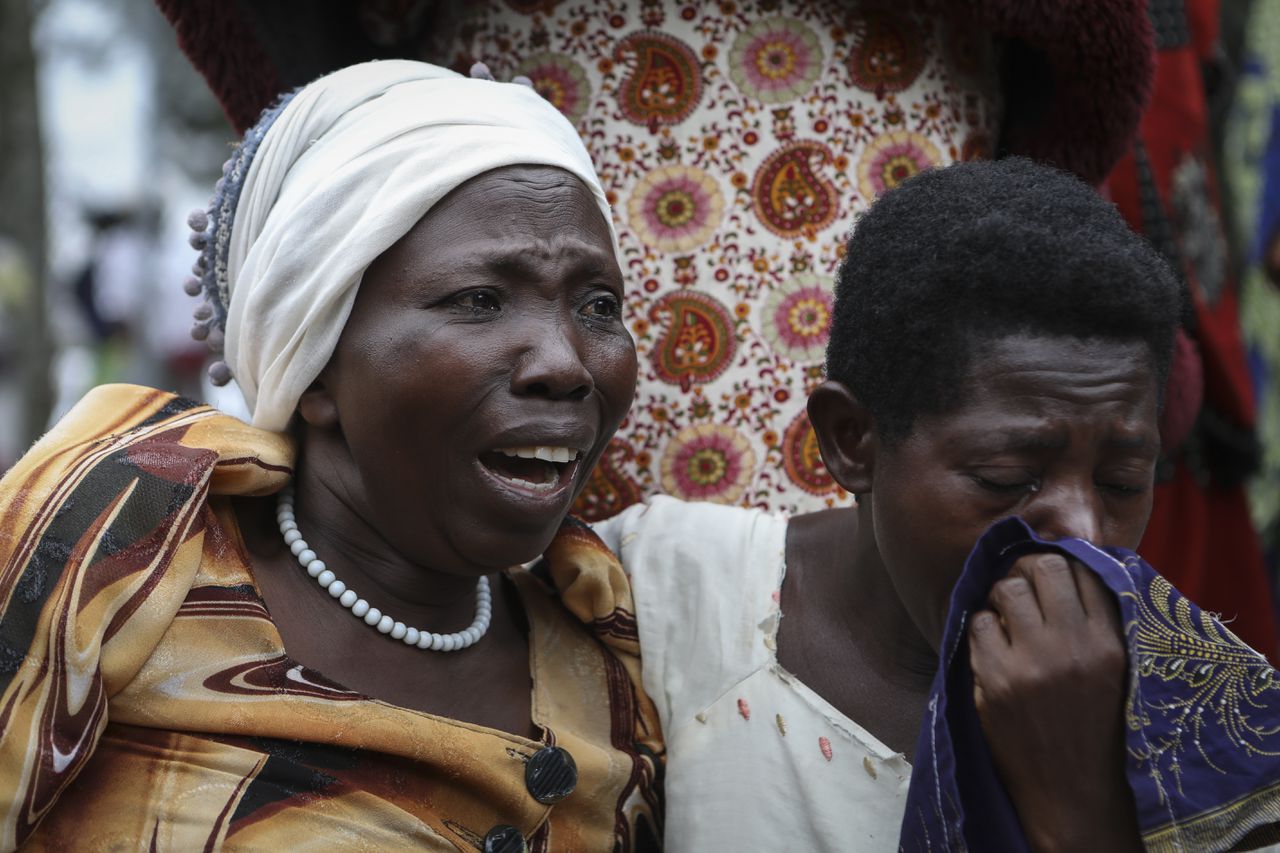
{"type": "Point", "coordinates": [515, 265]}
{"type": "Point", "coordinates": [1023, 440]}
{"type": "Point", "coordinates": [1031, 440]}
{"type": "Point", "coordinates": [1130, 442]}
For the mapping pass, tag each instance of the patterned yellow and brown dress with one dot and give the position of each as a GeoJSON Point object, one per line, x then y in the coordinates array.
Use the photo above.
{"type": "Point", "coordinates": [147, 701]}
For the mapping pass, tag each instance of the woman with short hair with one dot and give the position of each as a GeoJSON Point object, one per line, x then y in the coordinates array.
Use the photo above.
{"type": "Point", "coordinates": [858, 678]}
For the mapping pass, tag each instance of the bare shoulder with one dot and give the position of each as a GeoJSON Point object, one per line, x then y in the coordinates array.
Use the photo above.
{"type": "Point", "coordinates": [815, 538]}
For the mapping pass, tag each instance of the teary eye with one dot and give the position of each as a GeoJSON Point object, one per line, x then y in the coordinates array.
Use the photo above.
{"type": "Point", "coordinates": [603, 306]}
{"type": "Point", "coordinates": [479, 301]}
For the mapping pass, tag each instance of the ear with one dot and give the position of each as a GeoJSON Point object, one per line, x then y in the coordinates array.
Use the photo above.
{"type": "Point", "coordinates": [846, 435]}
{"type": "Point", "coordinates": [317, 407]}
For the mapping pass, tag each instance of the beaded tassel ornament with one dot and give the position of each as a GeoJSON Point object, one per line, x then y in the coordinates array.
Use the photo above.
{"type": "Point", "coordinates": [211, 234]}
{"type": "Point", "coordinates": [211, 237]}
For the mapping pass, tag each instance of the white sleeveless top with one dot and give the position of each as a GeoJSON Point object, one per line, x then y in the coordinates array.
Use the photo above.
{"type": "Point", "coordinates": [756, 760]}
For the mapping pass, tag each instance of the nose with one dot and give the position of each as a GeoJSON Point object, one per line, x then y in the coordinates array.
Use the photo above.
{"type": "Point", "coordinates": [1066, 510]}
{"type": "Point", "coordinates": [550, 365]}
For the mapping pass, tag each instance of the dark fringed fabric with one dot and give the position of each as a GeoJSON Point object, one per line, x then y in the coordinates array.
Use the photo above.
{"type": "Point", "coordinates": [1077, 78]}
{"type": "Point", "coordinates": [1202, 730]}
{"type": "Point", "coordinates": [1077, 72]}
{"type": "Point", "coordinates": [224, 47]}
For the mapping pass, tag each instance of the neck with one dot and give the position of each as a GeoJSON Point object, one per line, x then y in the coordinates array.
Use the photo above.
{"type": "Point", "coordinates": [873, 613]}
{"type": "Point", "coordinates": [339, 528]}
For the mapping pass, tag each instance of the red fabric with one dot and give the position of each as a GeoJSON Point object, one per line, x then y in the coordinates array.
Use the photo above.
{"type": "Point", "coordinates": [1226, 380]}
{"type": "Point", "coordinates": [224, 48]}
{"type": "Point", "coordinates": [1203, 18]}
{"type": "Point", "coordinates": [1100, 56]}
{"type": "Point", "coordinates": [1226, 369]}
{"type": "Point", "coordinates": [1184, 392]}
{"type": "Point", "coordinates": [1201, 538]}
{"type": "Point", "coordinates": [1200, 535]}
{"type": "Point", "coordinates": [1080, 117]}
{"type": "Point", "coordinates": [1175, 127]}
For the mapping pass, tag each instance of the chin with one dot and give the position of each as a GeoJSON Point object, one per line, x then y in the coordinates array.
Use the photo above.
{"type": "Point", "coordinates": [508, 548]}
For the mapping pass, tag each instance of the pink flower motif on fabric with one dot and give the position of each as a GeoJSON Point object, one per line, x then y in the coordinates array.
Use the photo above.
{"type": "Point", "coordinates": [891, 159]}
{"type": "Point", "coordinates": [675, 208]}
{"type": "Point", "coordinates": [797, 318]}
{"type": "Point", "coordinates": [825, 746]}
{"type": "Point", "coordinates": [700, 91]}
{"type": "Point", "coordinates": [775, 60]}
{"type": "Point", "coordinates": [561, 81]}
{"type": "Point", "coordinates": [708, 462]}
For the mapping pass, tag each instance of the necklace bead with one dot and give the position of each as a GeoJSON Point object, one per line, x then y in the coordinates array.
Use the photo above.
{"type": "Point", "coordinates": [372, 616]}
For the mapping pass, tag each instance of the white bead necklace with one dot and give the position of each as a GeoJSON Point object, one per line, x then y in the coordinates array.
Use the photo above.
{"type": "Point", "coordinates": [372, 616]}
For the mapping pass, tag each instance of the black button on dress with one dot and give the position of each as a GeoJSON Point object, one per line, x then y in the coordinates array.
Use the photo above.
{"type": "Point", "coordinates": [551, 775]}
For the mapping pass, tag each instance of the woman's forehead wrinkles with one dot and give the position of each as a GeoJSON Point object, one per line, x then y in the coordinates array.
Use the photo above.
{"type": "Point", "coordinates": [1057, 358]}
{"type": "Point", "coordinates": [1118, 436]}
{"type": "Point", "coordinates": [1047, 437]}
{"type": "Point", "coordinates": [993, 431]}
{"type": "Point", "coordinates": [520, 266]}
{"type": "Point", "coordinates": [520, 256]}
{"type": "Point", "coordinates": [1058, 394]}
{"type": "Point", "coordinates": [1055, 375]}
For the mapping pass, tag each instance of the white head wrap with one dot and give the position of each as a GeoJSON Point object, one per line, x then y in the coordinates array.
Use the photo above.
{"type": "Point", "coordinates": [349, 166]}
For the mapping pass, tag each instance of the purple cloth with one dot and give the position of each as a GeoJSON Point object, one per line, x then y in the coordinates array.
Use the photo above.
{"type": "Point", "coordinates": [1204, 718]}
{"type": "Point", "coordinates": [1269, 204]}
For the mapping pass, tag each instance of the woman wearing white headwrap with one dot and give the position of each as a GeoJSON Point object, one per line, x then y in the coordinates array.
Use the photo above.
{"type": "Point", "coordinates": [303, 633]}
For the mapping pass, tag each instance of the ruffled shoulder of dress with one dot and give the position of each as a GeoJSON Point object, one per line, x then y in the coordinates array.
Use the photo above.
{"type": "Point", "coordinates": [197, 440]}
{"type": "Point", "coordinates": [102, 527]}
{"type": "Point", "coordinates": [592, 585]}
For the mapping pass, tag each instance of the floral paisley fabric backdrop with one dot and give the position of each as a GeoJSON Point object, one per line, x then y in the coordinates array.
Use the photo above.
{"type": "Point", "coordinates": [737, 142]}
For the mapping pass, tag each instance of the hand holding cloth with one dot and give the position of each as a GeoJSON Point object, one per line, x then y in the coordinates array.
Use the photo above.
{"type": "Point", "coordinates": [1202, 718]}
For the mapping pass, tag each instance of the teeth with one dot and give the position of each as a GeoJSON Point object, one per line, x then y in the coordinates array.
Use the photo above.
{"type": "Point", "coordinates": [543, 452]}
{"type": "Point", "coordinates": [538, 487]}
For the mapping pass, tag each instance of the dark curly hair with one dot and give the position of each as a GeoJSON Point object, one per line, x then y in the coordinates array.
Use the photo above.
{"type": "Point", "coordinates": [973, 252]}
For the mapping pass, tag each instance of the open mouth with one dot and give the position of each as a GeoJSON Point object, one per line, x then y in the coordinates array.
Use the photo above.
{"type": "Point", "coordinates": [537, 469]}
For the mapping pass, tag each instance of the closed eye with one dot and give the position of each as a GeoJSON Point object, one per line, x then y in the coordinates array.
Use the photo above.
{"type": "Point", "coordinates": [1007, 486]}
{"type": "Point", "coordinates": [1123, 489]}
{"type": "Point", "coordinates": [1127, 478]}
